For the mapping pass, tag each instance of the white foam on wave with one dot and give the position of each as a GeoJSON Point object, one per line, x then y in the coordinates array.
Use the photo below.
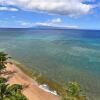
{"type": "Point", "coordinates": [47, 89]}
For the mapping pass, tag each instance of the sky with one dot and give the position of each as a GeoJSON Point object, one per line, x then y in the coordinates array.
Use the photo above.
{"type": "Point", "coordinates": [81, 14]}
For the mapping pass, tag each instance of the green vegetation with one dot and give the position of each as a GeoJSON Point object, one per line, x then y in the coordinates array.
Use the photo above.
{"type": "Point", "coordinates": [73, 92]}
{"type": "Point", "coordinates": [3, 80]}
{"type": "Point", "coordinates": [9, 92]}
{"type": "Point", "coordinates": [3, 58]}
{"type": "Point", "coordinates": [12, 92]}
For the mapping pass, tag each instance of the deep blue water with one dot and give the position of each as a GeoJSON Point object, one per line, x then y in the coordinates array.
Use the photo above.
{"type": "Point", "coordinates": [60, 55]}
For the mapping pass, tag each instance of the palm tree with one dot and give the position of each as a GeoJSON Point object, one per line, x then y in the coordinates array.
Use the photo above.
{"type": "Point", "coordinates": [73, 92]}
{"type": "Point", "coordinates": [3, 58]}
{"type": "Point", "coordinates": [12, 92]}
{"type": "Point", "coordinates": [3, 91]}
{"type": "Point", "coordinates": [73, 89]}
{"type": "Point", "coordinates": [9, 92]}
{"type": "Point", "coordinates": [3, 80]}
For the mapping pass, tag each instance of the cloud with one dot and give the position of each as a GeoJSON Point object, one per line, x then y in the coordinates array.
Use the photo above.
{"type": "Point", "coordinates": [52, 22]}
{"type": "Point", "coordinates": [57, 25]}
{"type": "Point", "coordinates": [61, 7]}
{"type": "Point", "coordinates": [56, 22]}
{"type": "Point", "coordinates": [71, 26]}
{"type": "Point", "coordinates": [27, 24]}
{"type": "Point", "coordinates": [8, 9]}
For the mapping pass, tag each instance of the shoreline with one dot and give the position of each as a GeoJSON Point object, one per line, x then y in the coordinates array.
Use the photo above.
{"type": "Point", "coordinates": [32, 90]}
{"type": "Point", "coordinates": [39, 79]}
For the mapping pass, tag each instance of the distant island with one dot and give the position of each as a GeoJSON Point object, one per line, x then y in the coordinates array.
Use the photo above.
{"type": "Point", "coordinates": [51, 27]}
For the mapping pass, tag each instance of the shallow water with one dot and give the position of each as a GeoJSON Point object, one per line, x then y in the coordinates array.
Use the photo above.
{"type": "Point", "coordinates": [60, 55]}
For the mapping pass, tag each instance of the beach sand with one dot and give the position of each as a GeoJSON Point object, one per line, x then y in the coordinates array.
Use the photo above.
{"type": "Point", "coordinates": [31, 88]}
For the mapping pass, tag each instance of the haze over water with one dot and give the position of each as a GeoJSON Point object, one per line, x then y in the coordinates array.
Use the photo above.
{"type": "Point", "coordinates": [60, 55]}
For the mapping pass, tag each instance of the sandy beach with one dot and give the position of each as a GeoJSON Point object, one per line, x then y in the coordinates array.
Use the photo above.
{"type": "Point", "coordinates": [31, 89]}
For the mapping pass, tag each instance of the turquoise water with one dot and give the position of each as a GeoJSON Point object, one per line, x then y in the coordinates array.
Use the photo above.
{"type": "Point", "coordinates": [60, 55]}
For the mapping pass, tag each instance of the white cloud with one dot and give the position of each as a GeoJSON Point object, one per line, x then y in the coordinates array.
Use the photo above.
{"type": "Point", "coordinates": [25, 23]}
{"type": "Point", "coordinates": [57, 25]}
{"type": "Point", "coordinates": [56, 22]}
{"type": "Point", "coordinates": [72, 26]}
{"type": "Point", "coordinates": [8, 9]}
{"type": "Point", "coordinates": [62, 7]}
{"type": "Point", "coordinates": [29, 24]}
{"type": "Point", "coordinates": [52, 22]}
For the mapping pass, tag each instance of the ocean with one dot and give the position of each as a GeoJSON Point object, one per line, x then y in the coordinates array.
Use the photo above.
{"type": "Point", "coordinates": [61, 55]}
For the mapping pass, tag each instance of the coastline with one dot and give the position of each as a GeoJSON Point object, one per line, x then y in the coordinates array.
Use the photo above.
{"type": "Point", "coordinates": [40, 79]}
{"type": "Point", "coordinates": [32, 90]}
